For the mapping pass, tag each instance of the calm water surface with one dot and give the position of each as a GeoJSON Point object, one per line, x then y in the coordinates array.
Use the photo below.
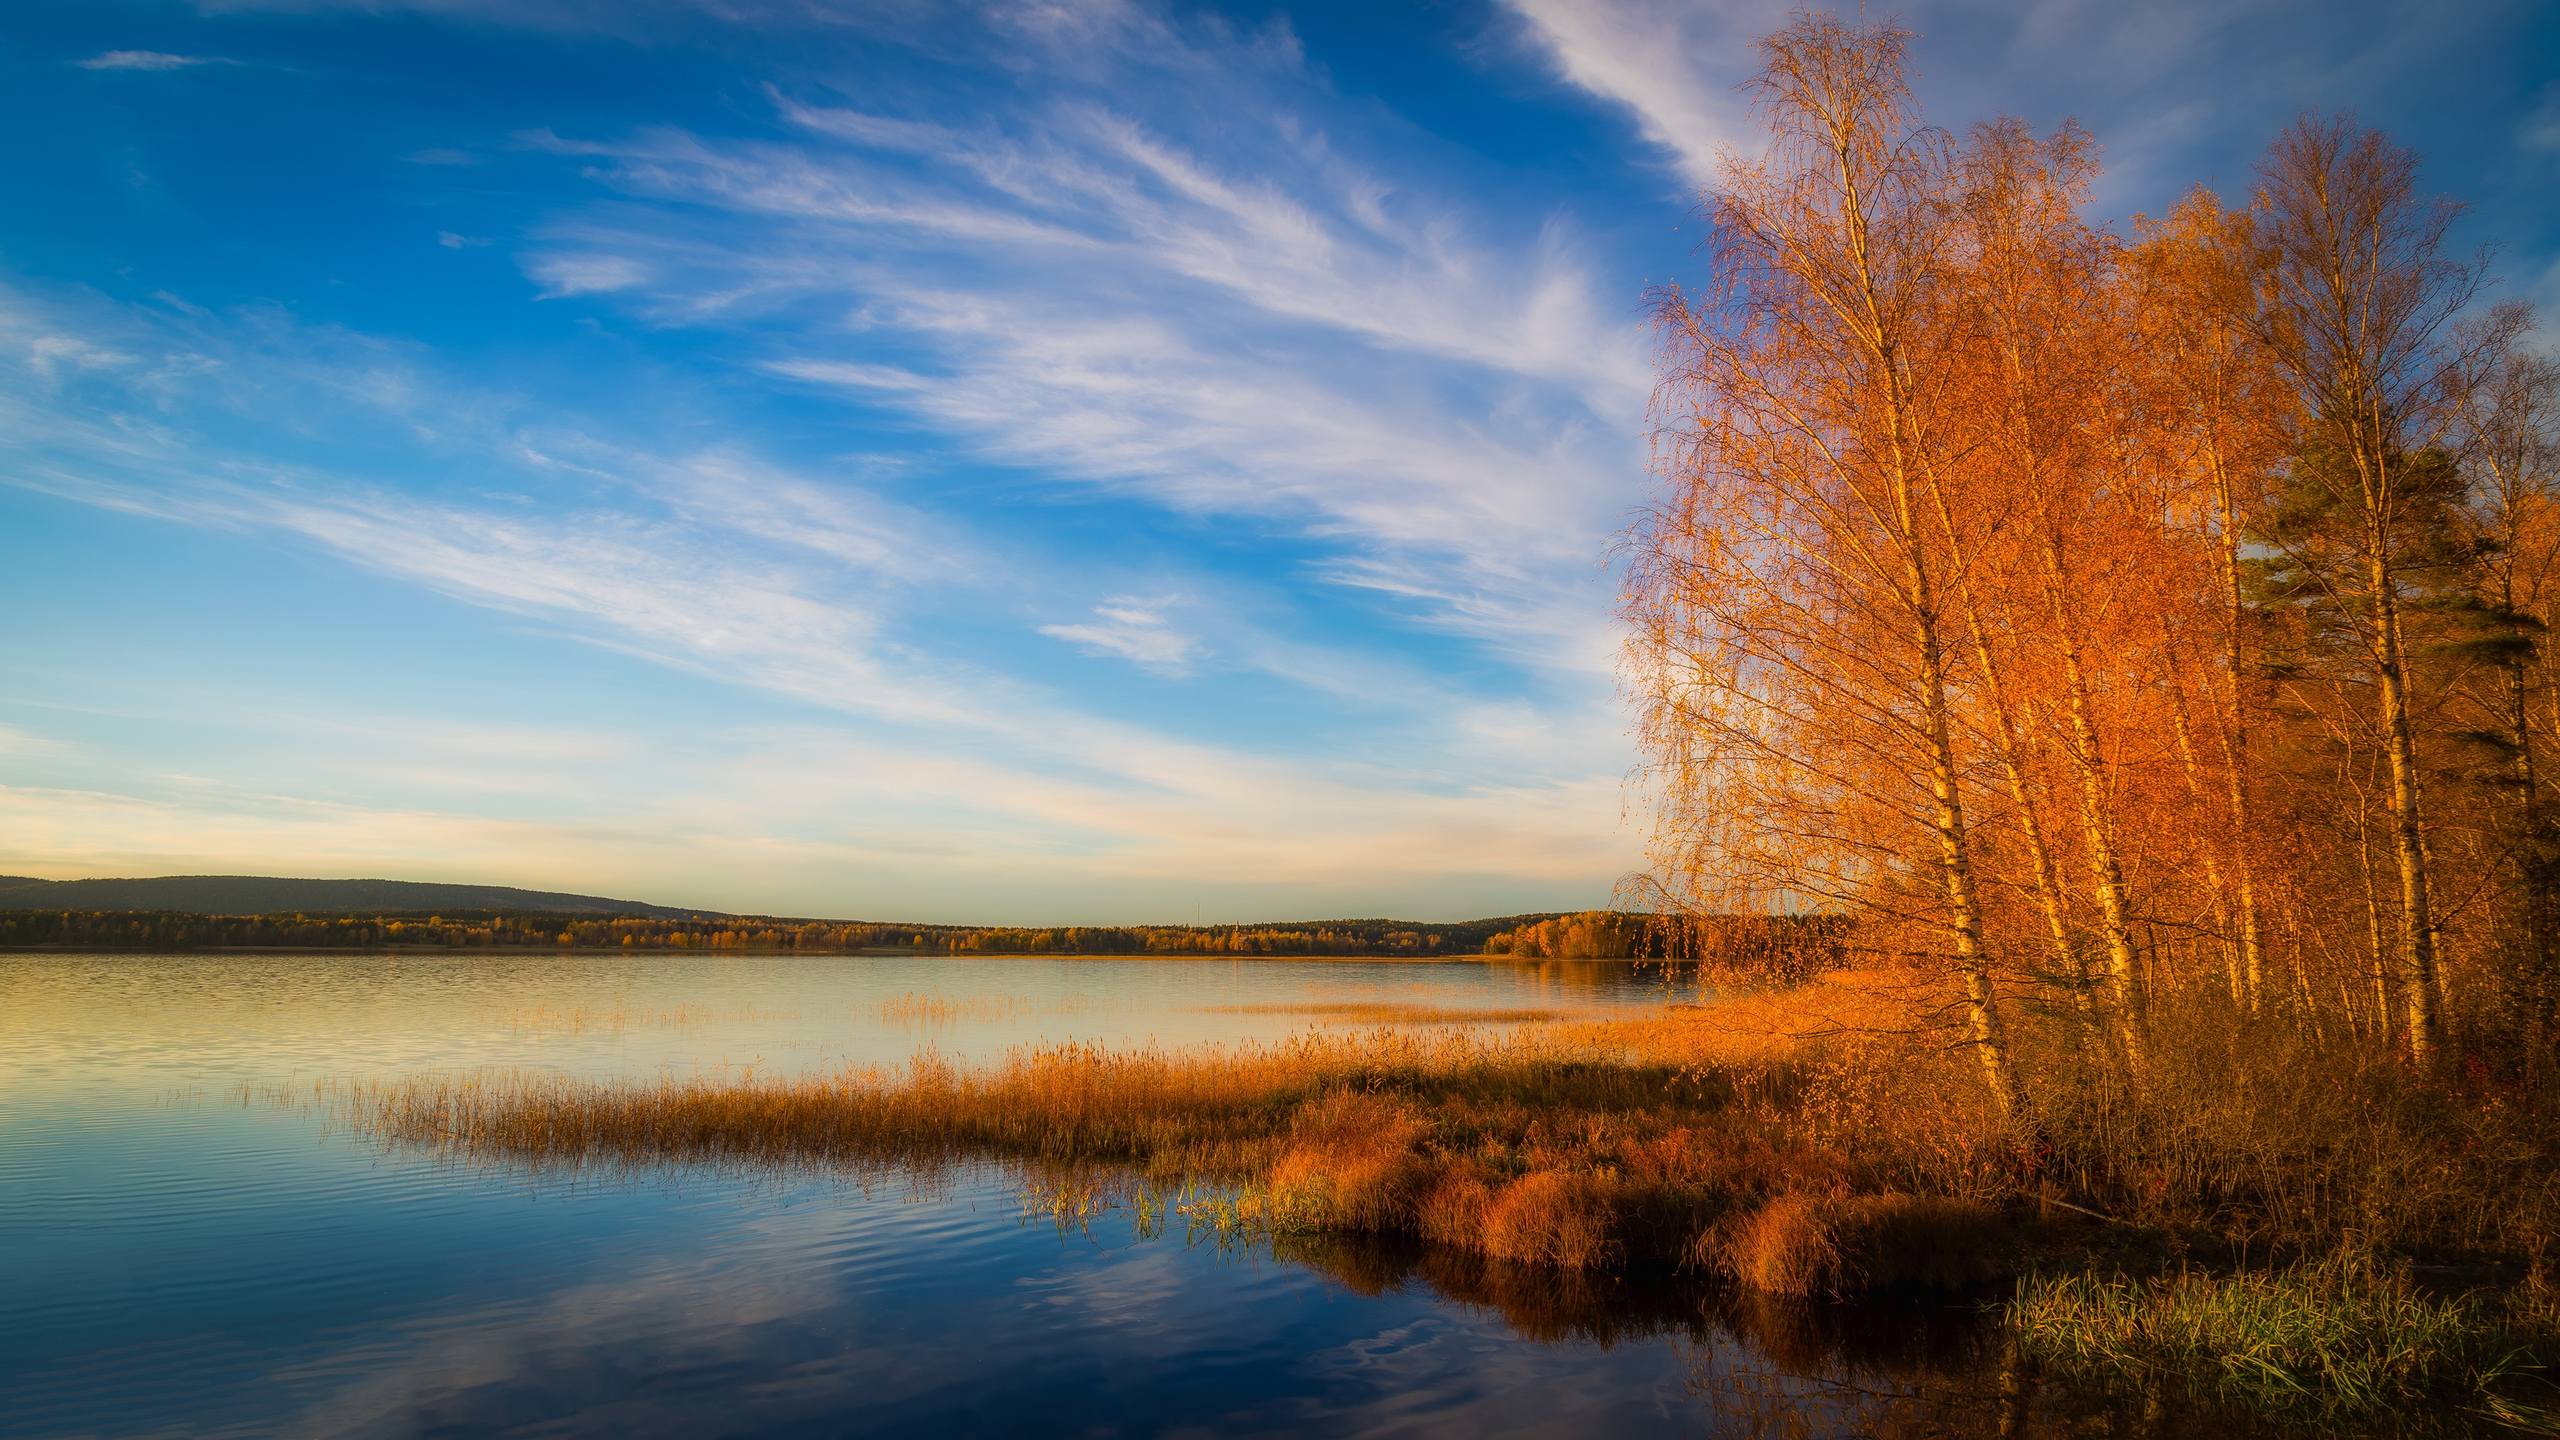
{"type": "Point", "coordinates": [180, 1256]}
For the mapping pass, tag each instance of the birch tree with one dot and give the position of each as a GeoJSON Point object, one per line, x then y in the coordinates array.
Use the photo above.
{"type": "Point", "coordinates": [1789, 596]}
{"type": "Point", "coordinates": [2357, 309]}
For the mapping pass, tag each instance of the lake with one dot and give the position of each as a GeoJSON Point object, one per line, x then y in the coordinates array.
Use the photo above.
{"type": "Point", "coordinates": [184, 1250]}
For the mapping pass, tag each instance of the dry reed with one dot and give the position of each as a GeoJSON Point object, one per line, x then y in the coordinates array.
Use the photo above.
{"type": "Point", "coordinates": [1501, 1143]}
{"type": "Point", "coordinates": [1808, 1140]}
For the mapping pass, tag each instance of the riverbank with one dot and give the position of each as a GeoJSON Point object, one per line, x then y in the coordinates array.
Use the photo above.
{"type": "Point", "coordinates": [1808, 1143]}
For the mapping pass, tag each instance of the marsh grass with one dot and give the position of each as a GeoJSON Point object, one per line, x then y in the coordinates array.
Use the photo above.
{"type": "Point", "coordinates": [1834, 1245]}
{"type": "Point", "coordinates": [2337, 1340]}
{"type": "Point", "coordinates": [1502, 1143]}
{"type": "Point", "coordinates": [1578, 1144]}
{"type": "Point", "coordinates": [1814, 1140]}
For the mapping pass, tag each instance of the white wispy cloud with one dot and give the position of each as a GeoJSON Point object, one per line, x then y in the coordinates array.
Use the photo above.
{"type": "Point", "coordinates": [15, 741]}
{"type": "Point", "coordinates": [562, 276]}
{"type": "Point", "coordinates": [1673, 66]}
{"type": "Point", "coordinates": [685, 559]}
{"type": "Point", "coordinates": [49, 355]}
{"type": "Point", "coordinates": [2167, 87]}
{"type": "Point", "coordinates": [1296, 231]}
{"type": "Point", "coordinates": [1132, 400]}
{"type": "Point", "coordinates": [149, 60]}
{"type": "Point", "coordinates": [890, 830]}
{"type": "Point", "coordinates": [1134, 628]}
{"type": "Point", "coordinates": [2541, 129]}
{"type": "Point", "coordinates": [1287, 331]}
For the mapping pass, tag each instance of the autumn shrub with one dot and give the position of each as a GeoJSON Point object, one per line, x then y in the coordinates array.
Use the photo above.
{"type": "Point", "coordinates": [2252, 1132]}
{"type": "Point", "coordinates": [2266, 1133]}
{"type": "Point", "coordinates": [1808, 1245]}
{"type": "Point", "coordinates": [1785, 1247]}
{"type": "Point", "coordinates": [1551, 1217]}
{"type": "Point", "coordinates": [1352, 1162]}
{"type": "Point", "coordinates": [1454, 1208]}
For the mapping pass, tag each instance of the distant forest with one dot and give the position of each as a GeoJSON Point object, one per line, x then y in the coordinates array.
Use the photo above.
{"type": "Point", "coordinates": [1754, 943]}
{"type": "Point", "coordinates": [172, 930]}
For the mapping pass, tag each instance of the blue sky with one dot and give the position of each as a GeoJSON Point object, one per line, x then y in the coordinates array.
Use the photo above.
{"type": "Point", "coordinates": [1049, 461]}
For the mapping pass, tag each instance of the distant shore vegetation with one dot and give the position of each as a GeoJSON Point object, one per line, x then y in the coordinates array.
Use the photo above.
{"type": "Point", "coordinates": [1589, 935]}
{"type": "Point", "coordinates": [1753, 947]}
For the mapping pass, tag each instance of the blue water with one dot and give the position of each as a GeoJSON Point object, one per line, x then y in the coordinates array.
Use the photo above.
{"type": "Point", "coordinates": [185, 1251]}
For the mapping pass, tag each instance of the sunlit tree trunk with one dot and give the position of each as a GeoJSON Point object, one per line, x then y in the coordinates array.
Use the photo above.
{"type": "Point", "coordinates": [2052, 903]}
{"type": "Point", "coordinates": [2199, 264]}
{"type": "Point", "coordinates": [2387, 1007]}
{"type": "Point", "coordinates": [2241, 990]}
{"type": "Point", "coordinates": [2236, 727]}
{"type": "Point", "coordinates": [2032, 263]}
{"type": "Point", "coordinates": [2417, 917]}
{"type": "Point", "coordinates": [1955, 852]}
{"type": "Point", "coordinates": [2106, 870]}
{"type": "Point", "coordinates": [1793, 629]}
{"type": "Point", "coordinates": [2360, 309]}
{"type": "Point", "coordinates": [1955, 849]}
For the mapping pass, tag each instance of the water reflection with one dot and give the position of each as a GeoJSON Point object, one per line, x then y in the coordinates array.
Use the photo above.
{"type": "Point", "coordinates": [172, 1260]}
{"type": "Point", "coordinates": [1762, 1366]}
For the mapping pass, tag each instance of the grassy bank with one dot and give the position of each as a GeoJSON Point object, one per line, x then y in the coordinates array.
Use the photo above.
{"type": "Point", "coordinates": [1583, 1145]}
{"type": "Point", "coordinates": [1810, 1143]}
{"type": "Point", "coordinates": [2336, 1341]}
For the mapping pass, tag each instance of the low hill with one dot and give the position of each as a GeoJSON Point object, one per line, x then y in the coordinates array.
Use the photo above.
{"type": "Point", "coordinates": [271, 895]}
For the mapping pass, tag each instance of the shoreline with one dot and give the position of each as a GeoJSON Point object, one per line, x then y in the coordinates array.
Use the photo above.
{"type": "Point", "coordinates": [1697, 1141]}
{"type": "Point", "coordinates": [866, 954]}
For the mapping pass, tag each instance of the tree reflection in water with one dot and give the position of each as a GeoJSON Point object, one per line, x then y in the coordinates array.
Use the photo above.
{"type": "Point", "coordinates": [1769, 1368]}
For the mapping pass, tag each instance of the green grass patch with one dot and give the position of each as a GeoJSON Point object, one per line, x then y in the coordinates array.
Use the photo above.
{"type": "Point", "coordinates": [2339, 1341]}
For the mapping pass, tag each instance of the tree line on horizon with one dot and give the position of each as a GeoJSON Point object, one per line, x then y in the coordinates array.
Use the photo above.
{"type": "Point", "coordinates": [2105, 616]}
{"type": "Point", "coordinates": [1758, 946]}
{"type": "Point", "coordinates": [173, 930]}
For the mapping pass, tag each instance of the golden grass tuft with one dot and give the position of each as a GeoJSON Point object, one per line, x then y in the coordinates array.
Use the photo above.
{"type": "Point", "coordinates": [1454, 1208]}
{"type": "Point", "coordinates": [1783, 1248]}
{"type": "Point", "coordinates": [1551, 1217]}
{"type": "Point", "coordinates": [1353, 1161]}
{"type": "Point", "coordinates": [1808, 1245]}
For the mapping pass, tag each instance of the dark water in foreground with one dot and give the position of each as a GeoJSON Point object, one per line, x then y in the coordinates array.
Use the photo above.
{"type": "Point", "coordinates": [178, 1258]}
